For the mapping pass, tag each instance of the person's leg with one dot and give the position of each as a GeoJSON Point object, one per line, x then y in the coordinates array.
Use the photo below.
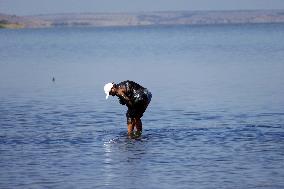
{"type": "Point", "coordinates": [138, 124]}
{"type": "Point", "coordinates": [138, 127]}
{"type": "Point", "coordinates": [130, 122]}
{"type": "Point", "coordinates": [139, 113]}
{"type": "Point", "coordinates": [130, 126]}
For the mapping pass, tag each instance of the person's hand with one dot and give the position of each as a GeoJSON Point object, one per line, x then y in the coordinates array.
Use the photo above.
{"type": "Point", "coordinates": [121, 101]}
{"type": "Point", "coordinates": [120, 92]}
{"type": "Point", "coordinates": [125, 99]}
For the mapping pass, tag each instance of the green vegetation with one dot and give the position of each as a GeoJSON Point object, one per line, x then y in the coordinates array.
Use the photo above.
{"type": "Point", "coordinates": [3, 23]}
{"type": "Point", "coordinates": [6, 24]}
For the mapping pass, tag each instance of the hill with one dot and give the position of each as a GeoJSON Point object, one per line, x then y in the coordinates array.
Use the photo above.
{"type": "Point", "coordinates": [145, 18]}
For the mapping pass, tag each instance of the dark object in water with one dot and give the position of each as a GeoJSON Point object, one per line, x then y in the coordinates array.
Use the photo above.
{"type": "Point", "coordinates": [53, 79]}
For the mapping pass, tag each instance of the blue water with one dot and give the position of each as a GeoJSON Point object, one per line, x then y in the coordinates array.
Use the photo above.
{"type": "Point", "coordinates": [216, 119]}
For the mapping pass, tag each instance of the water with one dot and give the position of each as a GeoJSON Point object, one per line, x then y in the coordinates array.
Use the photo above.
{"type": "Point", "coordinates": [216, 119]}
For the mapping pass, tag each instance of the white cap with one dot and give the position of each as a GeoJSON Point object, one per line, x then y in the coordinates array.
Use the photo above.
{"type": "Point", "coordinates": [107, 89]}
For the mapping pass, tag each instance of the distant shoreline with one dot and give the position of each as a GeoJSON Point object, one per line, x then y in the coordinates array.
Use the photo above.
{"type": "Point", "coordinates": [166, 18]}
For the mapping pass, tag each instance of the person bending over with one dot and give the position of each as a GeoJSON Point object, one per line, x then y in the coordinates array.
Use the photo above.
{"type": "Point", "coordinates": [135, 97]}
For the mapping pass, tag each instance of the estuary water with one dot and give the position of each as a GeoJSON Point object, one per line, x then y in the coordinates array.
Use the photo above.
{"type": "Point", "coordinates": [216, 119]}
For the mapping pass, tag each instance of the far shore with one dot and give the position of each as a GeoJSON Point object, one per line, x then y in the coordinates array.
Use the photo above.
{"type": "Point", "coordinates": [142, 18]}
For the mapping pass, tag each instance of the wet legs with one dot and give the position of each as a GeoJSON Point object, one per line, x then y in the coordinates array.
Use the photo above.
{"type": "Point", "coordinates": [130, 127]}
{"type": "Point", "coordinates": [138, 125]}
{"type": "Point", "coordinates": [134, 123]}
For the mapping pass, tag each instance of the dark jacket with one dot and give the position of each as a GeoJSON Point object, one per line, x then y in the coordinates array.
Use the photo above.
{"type": "Point", "coordinates": [137, 94]}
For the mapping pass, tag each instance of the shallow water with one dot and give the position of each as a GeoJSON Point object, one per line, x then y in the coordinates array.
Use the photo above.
{"type": "Point", "coordinates": [216, 119]}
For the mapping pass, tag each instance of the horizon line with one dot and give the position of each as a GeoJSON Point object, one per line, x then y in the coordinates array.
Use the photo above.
{"type": "Point", "coordinates": [137, 12]}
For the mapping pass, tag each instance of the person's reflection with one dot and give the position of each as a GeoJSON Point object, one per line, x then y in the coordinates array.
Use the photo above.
{"type": "Point", "coordinates": [123, 162]}
{"type": "Point", "coordinates": [109, 174]}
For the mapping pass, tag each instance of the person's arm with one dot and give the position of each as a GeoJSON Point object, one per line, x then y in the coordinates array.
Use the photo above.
{"type": "Point", "coordinates": [125, 98]}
